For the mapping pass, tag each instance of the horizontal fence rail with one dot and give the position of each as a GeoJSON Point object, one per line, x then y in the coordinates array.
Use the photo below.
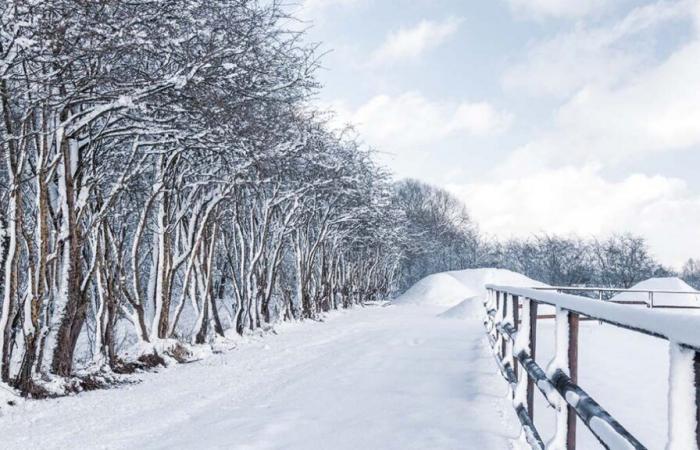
{"type": "Point", "coordinates": [511, 325]}
{"type": "Point", "coordinates": [648, 301]}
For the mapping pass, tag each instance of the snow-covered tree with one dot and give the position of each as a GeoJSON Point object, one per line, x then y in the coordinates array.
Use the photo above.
{"type": "Point", "coordinates": [164, 179]}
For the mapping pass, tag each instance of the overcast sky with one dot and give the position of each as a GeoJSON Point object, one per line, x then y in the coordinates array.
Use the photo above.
{"type": "Point", "coordinates": [564, 116]}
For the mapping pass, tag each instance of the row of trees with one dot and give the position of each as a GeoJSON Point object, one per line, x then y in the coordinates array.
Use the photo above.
{"type": "Point", "coordinates": [441, 236]}
{"type": "Point", "coordinates": [165, 180]}
{"type": "Point", "coordinates": [439, 233]}
{"type": "Point", "coordinates": [621, 260]}
{"type": "Point", "coordinates": [690, 272]}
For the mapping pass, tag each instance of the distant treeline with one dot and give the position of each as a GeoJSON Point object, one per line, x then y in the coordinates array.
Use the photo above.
{"type": "Point", "coordinates": [442, 236]}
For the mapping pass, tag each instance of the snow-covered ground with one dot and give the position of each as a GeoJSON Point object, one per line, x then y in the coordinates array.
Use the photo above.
{"type": "Point", "coordinates": [396, 377]}
{"type": "Point", "coordinates": [626, 372]}
{"type": "Point", "coordinates": [416, 374]}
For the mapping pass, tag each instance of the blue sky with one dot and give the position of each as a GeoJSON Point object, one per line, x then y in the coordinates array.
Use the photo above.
{"type": "Point", "coordinates": [564, 116]}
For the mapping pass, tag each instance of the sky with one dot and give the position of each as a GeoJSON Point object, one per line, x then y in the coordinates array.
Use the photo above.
{"type": "Point", "coordinates": [560, 116]}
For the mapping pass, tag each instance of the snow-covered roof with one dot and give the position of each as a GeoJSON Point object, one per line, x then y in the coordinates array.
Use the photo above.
{"type": "Point", "coordinates": [662, 298]}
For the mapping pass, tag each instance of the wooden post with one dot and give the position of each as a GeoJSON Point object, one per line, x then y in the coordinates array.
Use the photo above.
{"type": "Point", "coordinates": [496, 334]}
{"type": "Point", "coordinates": [516, 325]}
{"type": "Point", "coordinates": [533, 351]}
{"type": "Point", "coordinates": [573, 320]}
{"type": "Point", "coordinates": [696, 366]}
{"type": "Point", "coordinates": [504, 311]}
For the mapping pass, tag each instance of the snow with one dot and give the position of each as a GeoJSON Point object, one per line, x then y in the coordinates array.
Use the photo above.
{"type": "Point", "coordinates": [609, 436]}
{"type": "Point", "coordinates": [440, 289]}
{"type": "Point", "coordinates": [393, 377]}
{"type": "Point", "coordinates": [560, 361]}
{"type": "Point", "coordinates": [682, 407]}
{"type": "Point", "coordinates": [661, 298]}
{"type": "Point", "coordinates": [451, 288]}
{"type": "Point", "coordinates": [626, 372]}
{"type": "Point", "coordinates": [8, 396]}
{"type": "Point", "coordinates": [467, 308]}
{"type": "Point", "coordinates": [477, 279]}
{"type": "Point", "coordinates": [413, 374]}
{"type": "Point", "coordinates": [522, 343]}
{"type": "Point", "coordinates": [675, 325]}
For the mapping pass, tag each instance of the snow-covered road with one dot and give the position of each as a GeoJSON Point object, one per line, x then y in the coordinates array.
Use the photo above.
{"type": "Point", "coordinates": [397, 377]}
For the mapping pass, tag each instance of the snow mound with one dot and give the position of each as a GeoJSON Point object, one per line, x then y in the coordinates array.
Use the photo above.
{"type": "Point", "coordinates": [465, 309]}
{"type": "Point", "coordinates": [451, 288]}
{"type": "Point", "coordinates": [477, 279]}
{"type": "Point", "coordinates": [439, 289]}
{"type": "Point", "coordinates": [662, 284]}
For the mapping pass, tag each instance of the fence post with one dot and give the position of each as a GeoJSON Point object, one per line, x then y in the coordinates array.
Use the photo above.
{"type": "Point", "coordinates": [533, 351]}
{"type": "Point", "coordinates": [683, 397]}
{"type": "Point", "coordinates": [696, 366]}
{"type": "Point", "coordinates": [504, 313]}
{"type": "Point", "coordinates": [516, 325]}
{"type": "Point", "coordinates": [573, 320]}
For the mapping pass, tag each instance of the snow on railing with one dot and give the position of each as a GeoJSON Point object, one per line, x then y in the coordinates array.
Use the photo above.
{"type": "Point", "coordinates": [648, 301]}
{"type": "Point", "coordinates": [514, 343]}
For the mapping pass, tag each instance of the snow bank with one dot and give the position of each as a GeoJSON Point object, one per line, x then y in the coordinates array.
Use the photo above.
{"type": "Point", "coordinates": [477, 279]}
{"type": "Point", "coordinates": [440, 289]}
{"type": "Point", "coordinates": [661, 284]}
{"type": "Point", "coordinates": [452, 288]}
{"type": "Point", "coordinates": [465, 309]}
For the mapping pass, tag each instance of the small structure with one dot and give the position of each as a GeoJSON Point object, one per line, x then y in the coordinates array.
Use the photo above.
{"type": "Point", "coordinates": [666, 292]}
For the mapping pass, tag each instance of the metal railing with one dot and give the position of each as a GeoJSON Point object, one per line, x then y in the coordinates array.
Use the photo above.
{"type": "Point", "coordinates": [649, 301]}
{"type": "Point", "coordinates": [511, 324]}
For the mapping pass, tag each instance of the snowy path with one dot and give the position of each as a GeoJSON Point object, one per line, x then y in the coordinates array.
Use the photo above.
{"type": "Point", "coordinates": [376, 378]}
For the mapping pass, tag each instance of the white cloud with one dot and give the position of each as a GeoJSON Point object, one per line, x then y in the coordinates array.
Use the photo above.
{"type": "Point", "coordinates": [411, 120]}
{"type": "Point", "coordinates": [615, 119]}
{"type": "Point", "coordinates": [621, 105]}
{"type": "Point", "coordinates": [410, 43]}
{"type": "Point", "coordinates": [413, 134]}
{"type": "Point", "coordinates": [540, 9]}
{"type": "Point", "coordinates": [656, 111]}
{"type": "Point", "coordinates": [582, 201]}
{"type": "Point", "coordinates": [601, 56]}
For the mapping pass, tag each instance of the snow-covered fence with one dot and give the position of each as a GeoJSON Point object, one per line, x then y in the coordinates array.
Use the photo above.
{"type": "Point", "coordinates": [511, 323]}
{"type": "Point", "coordinates": [646, 296]}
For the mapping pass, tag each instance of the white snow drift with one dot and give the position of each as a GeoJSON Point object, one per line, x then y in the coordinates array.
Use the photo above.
{"type": "Point", "coordinates": [662, 298]}
{"type": "Point", "coordinates": [450, 288]}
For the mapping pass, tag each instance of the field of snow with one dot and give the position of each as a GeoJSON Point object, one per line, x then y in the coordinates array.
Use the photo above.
{"type": "Point", "coordinates": [396, 377]}
{"type": "Point", "coordinates": [416, 374]}
{"type": "Point", "coordinates": [626, 372]}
